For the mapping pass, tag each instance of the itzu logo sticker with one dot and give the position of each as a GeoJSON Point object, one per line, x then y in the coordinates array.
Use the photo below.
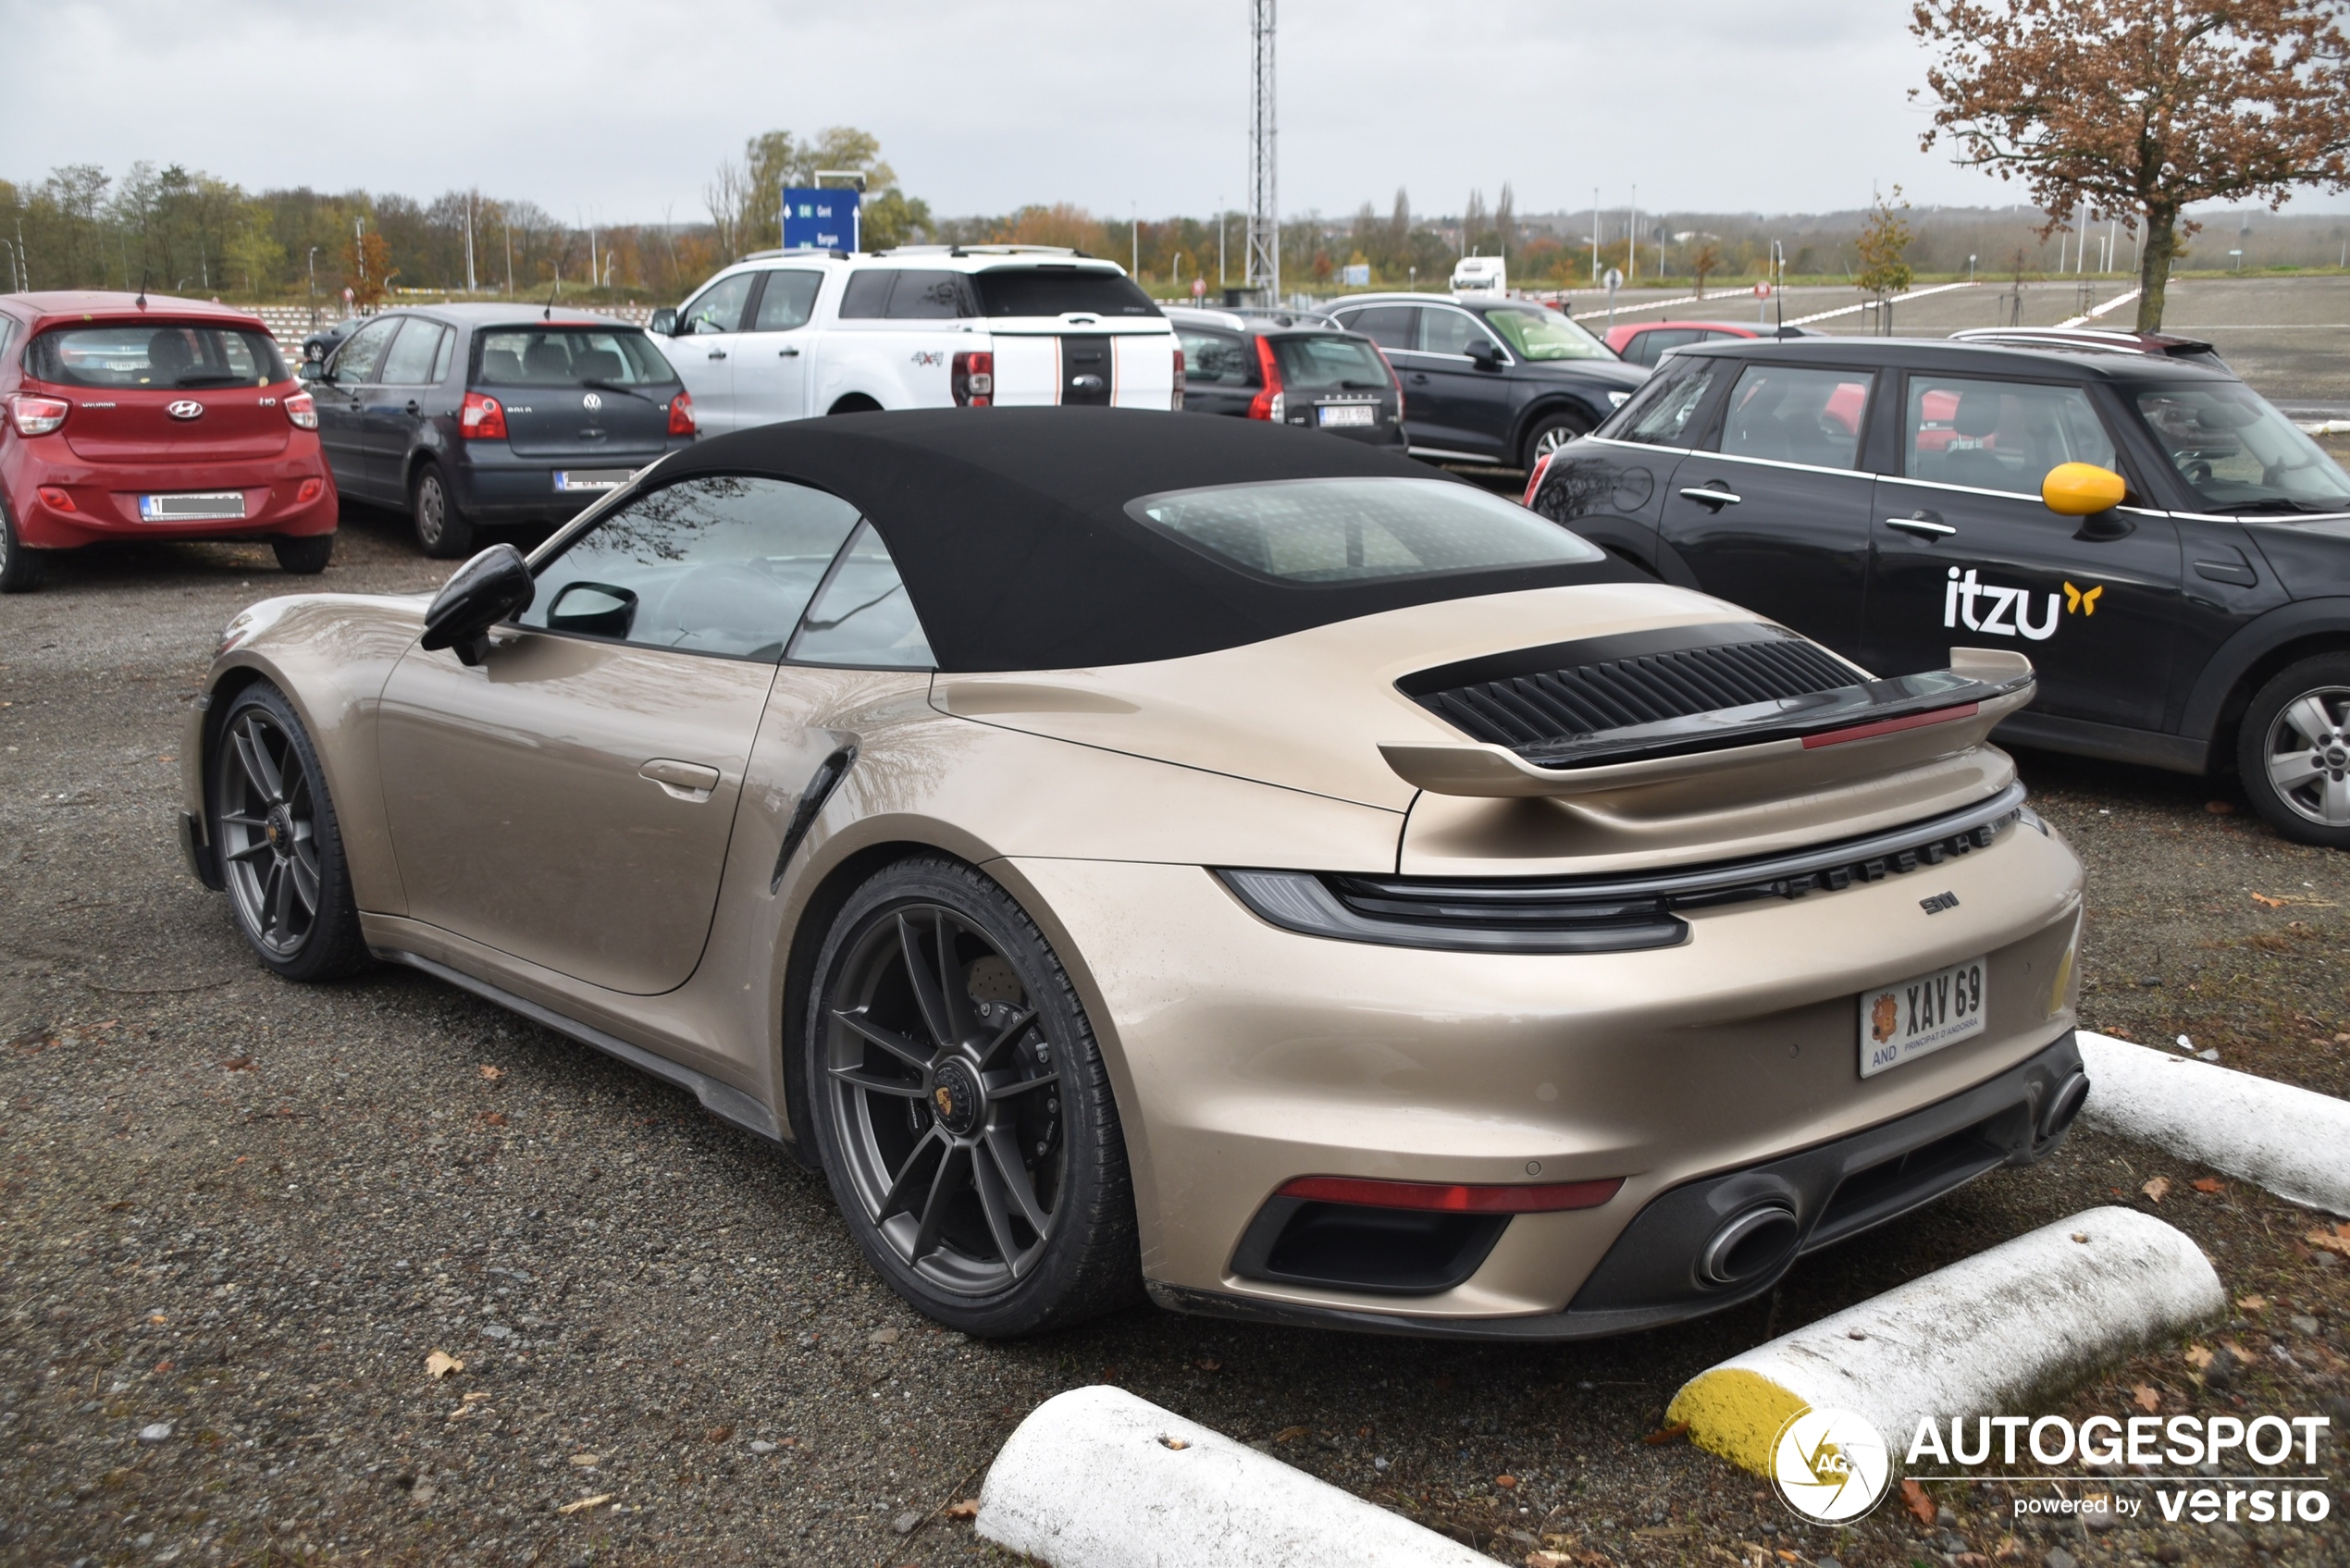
{"type": "Point", "coordinates": [1830, 1465]}
{"type": "Point", "coordinates": [2007, 612]}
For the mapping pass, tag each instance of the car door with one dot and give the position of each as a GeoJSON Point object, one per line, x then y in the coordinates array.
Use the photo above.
{"type": "Point", "coordinates": [710, 332]}
{"type": "Point", "coordinates": [1454, 404]}
{"type": "Point", "coordinates": [395, 407]}
{"type": "Point", "coordinates": [1966, 553]}
{"type": "Point", "coordinates": [1772, 512]}
{"type": "Point", "coordinates": [569, 800]}
{"type": "Point", "coordinates": [773, 356]}
{"type": "Point", "coordinates": [1221, 372]}
{"type": "Point", "coordinates": [343, 398]}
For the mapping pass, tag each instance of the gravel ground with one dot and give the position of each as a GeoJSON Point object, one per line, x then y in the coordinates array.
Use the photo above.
{"type": "Point", "coordinates": [243, 1214]}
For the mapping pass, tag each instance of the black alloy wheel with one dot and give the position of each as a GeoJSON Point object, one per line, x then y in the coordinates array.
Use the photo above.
{"type": "Point", "coordinates": [960, 1107]}
{"type": "Point", "coordinates": [2292, 751]}
{"type": "Point", "coordinates": [442, 531]}
{"type": "Point", "coordinates": [279, 849]}
{"type": "Point", "coordinates": [21, 567]}
{"type": "Point", "coordinates": [1552, 431]}
{"type": "Point", "coordinates": [305, 556]}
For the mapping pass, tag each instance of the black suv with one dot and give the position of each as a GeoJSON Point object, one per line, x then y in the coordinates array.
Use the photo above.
{"type": "Point", "coordinates": [2172, 552]}
{"type": "Point", "coordinates": [1290, 367]}
{"type": "Point", "coordinates": [463, 415]}
{"type": "Point", "coordinates": [1491, 380]}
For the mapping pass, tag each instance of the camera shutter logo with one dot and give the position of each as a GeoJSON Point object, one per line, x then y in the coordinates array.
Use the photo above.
{"type": "Point", "coordinates": [1831, 1466]}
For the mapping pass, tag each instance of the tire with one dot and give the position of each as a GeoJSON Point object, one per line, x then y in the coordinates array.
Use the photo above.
{"type": "Point", "coordinates": [988, 1181]}
{"type": "Point", "coordinates": [2292, 750]}
{"type": "Point", "coordinates": [304, 556]}
{"type": "Point", "coordinates": [442, 531]}
{"type": "Point", "coordinates": [1550, 431]}
{"type": "Point", "coordinates": [21, 567]}
{"type": "Point", "coordinates": [277, 844]}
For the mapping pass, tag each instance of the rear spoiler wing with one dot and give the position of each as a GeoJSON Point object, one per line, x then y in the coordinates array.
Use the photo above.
{"type": "Point", "coordinates": [1888, 725]}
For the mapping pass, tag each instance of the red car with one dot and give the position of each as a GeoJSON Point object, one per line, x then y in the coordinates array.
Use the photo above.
{"type": "Point", "coordinates": [136, 417]}
{"type": "Point", "coordinates": [1644, 342]}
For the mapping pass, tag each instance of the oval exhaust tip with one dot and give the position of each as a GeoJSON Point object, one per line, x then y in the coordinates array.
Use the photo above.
{"type": "Point", "coordinates": [1751, 1244]}
{"type": "Point", "coordinates": [2064, 1104]}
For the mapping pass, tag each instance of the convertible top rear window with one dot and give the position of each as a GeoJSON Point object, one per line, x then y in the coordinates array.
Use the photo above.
{"type": "Point", "coordinates": [1351, 530]}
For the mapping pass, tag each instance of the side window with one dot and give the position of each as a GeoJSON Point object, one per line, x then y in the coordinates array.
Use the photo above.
{"type": "Point", "coordinates": [931, 296]}
{"type": "Point", "coordinates": [1998, 434]}
{"type": "Point", "coordinates": [867, 296]}
{"type": "Point", "coordinates": [413, 353]}
{"type": "Point", "coordinates": [440, 360]}
{"type": "Point", "coordinates": [786, 301]}
{"type": "Point", "coordinates": [719, 564]}
{"type": "Point", "coordinates": [1648, 347]}
{"type": "Point", "coordinates": [718, 308]}
{"type": "Point", "coordinates": [1787, 414]}
{"type": "Point", "coordinates": [1450, 331]}
{"type": "Point", "coordinates": [7, 330]}
{"type": "Point", "coordinates": [363, 350]}
{"type": "Point", "coordinates": [1663, 411]}
{"type": "Point", "coordinates": [863, 617]}
{"type": "Point", "coordinates": [1390, 326]}
{"type": "Point", "coordinates": [1216, 359]}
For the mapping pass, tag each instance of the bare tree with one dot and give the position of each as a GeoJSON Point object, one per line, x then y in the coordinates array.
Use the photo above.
{"type": "Point", "coordinates": [2142, 106]}
{"type": "Point", "coordinates": [725, 195]}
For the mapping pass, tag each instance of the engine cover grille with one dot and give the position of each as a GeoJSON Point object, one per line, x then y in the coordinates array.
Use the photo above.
{"type": "Point", "coordinates": [1542, 697]}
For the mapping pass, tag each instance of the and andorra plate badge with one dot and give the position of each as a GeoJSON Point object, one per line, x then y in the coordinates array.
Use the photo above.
{"type": "Point", "coordinates": [1911, 1018]}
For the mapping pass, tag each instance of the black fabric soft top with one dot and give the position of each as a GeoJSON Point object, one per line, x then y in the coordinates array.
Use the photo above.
{"type": "Point", "coordinates": [1009, 528]}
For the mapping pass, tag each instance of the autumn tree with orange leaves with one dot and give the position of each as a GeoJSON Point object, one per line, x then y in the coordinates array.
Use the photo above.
{"type": "Point", "coordinates": [2143, 106]}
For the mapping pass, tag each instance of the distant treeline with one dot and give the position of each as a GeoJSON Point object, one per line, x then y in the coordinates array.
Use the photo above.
{"type": "Point", "coordinates": [190, 232]}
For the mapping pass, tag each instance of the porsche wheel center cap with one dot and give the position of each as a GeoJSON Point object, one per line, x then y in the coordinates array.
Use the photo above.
{"type": "Point", "coordinates": [955, 1099]}
{"type": "Point", "coordinates": [279, 830]}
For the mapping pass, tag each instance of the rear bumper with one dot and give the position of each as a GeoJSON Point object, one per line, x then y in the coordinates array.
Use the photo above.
{"type": "Point", "coordinates": [494, 485]}
{"type": "Point", "coordinates": [1650, 1275]}
{"type": "Point", "coordinates": [106, 497]}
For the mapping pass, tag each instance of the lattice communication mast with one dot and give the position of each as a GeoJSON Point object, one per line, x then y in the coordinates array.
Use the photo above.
{"type": "Point", "coordinates": [1263, 206]}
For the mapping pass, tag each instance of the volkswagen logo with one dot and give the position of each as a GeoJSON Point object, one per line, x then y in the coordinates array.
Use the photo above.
{"type": "Point", "coordinates": [591, 402]}
{"type": "Point", "coordinates": [184, 408]}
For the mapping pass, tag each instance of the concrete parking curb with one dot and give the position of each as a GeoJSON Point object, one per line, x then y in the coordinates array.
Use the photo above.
{"type": "Point", "coordinates": [1983, 1336]}
{"type": "Point", "coordinates": [2294, 1142]}
{"type": "Point", "coordinates": [1097, 1478]}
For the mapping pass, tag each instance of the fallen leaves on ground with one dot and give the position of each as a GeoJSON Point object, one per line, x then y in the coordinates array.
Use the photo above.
{"type": "Point", "coordinates": [587, 1460]}
{"type": "Point", "coordinates": [238, 1064]}
{"type": "Point", "coordinates": [1506, 1482]}
{"type": "Point", "coordinates": [720, 1434]}
{"type": "Point", "coordinates": [967, 1508]}
{"type": "Point", "coordinates": [2156, 1189]}
{"type": "Point", "coordinates": [2146, 1399]}
{"type": "Point", "coordinates": [2253, 1303]}
{"type": "Point", "coordinates": [1663, 1434]}
{"type": "Point", "coordinates": [2336, 1240]}
{"type": "Point", "coordinates": [1208, 1364]}
{"type": "Point", "coordinates": [1913, 1497]}
{"type": "Point", "coordinates": [1289, 1434]}
{"type": "Point", "coordinates": [2208, 1184]}
{"type": "Point", "coordinates": [584, 1502]}
{"type": "Point", "coordinates": [441, 1363]}
{"type": "Point", "coordinates": [493, 1074]}
{"type": "Point", "coordinates": [2268, 903]}
{"type": "Point", "coordinates": [2199, 1357]}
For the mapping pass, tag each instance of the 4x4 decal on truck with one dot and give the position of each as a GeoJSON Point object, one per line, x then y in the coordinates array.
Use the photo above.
{"type": "Point", "coordinates": [1960, 597]}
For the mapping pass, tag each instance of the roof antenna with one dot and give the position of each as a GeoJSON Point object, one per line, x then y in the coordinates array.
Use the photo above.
{"type": "Point", "coordinates": [552, 295]}
{"type": "Point", "coordinates": [143, 287]}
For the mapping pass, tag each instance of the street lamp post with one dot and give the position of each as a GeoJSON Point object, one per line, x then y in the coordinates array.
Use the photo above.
{"type": "Point", "coordinates": [314, 288]}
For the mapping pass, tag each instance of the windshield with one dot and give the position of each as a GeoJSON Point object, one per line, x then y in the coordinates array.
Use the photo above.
{"type": "Point", "coordinates": [1331, 364]}
{"type": "Point", "coordinates": [1060, 290]}
{"type": "Point", "coordinates": [1544, 334]}
{"type": "Point", "coordinates": [570, 356]}
{"type": "Point", "coordinates": [146, 354]}
{"type": "Point", "coordinates": [1329, 531]}
{"type": "Point", "coordinates": [2238, 453]}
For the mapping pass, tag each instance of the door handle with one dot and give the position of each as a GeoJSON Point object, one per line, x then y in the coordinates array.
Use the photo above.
{"type": "Point", "coordinates": [1925, 525]}
{"type": "Point", "coordinates": [683, 781]}
{"type": "Point", "coordinates": [718, 354]}
{"type": "Point", "coordinates": [1711, 496]}
{"type": "Point", "coordinates": [412, 405]}
{"type": "Point", "coordinates": [786, 352]}
{"type": "Point", "coordinates": [1419, 377]}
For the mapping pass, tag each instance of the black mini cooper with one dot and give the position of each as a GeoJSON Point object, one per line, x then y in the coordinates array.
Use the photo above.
{"type": "Point", "coordinates": [2172, 552]}
{"type": "Point", "coordinates": [468, 414]}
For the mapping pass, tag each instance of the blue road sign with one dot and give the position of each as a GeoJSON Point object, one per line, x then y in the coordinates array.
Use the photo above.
{"type": "Point", "coordinates": [820, 221]}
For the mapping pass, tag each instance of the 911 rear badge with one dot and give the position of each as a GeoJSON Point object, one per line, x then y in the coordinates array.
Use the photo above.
{"type": "Point", "coordinates": [1938, 903]}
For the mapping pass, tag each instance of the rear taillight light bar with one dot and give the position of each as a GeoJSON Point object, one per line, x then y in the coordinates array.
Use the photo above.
{"type": "Point", "coordinates": [1445, 1197]}
{"type": "Point", "coordinates": [973, 379]}
{"type": "Point", "coordinates": [37, 415]}
{"type": "Point", "coordinates": [302, 409]}
{"type": "Point", "coordinates": [681, 413]}
{"type": "Point", "coordinates": [1534, 480]}
{"type": "Point", "coordinates": [1269, 402]}
{"type": "Point", "coordinates": [1177, 401]}
{"type": "Point", "coordinates": [482, 419]}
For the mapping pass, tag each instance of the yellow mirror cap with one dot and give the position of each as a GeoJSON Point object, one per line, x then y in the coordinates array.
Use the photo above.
{"type": "Point", "coordinates": [2078, 490]}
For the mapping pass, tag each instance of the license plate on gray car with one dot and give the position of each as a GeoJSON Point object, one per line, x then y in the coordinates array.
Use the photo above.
{"type": "Point", "coordinates": [593, 478]}
{"type": "Point", "coordinates": [193, 506]}
{"type": "Point", "coordinates": [1906, 1020]}
{"type": "Point", "coordinates": [1350, 413]}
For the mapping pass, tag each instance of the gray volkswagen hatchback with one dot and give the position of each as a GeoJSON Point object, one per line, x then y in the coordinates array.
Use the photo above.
{"type": "Point", "coordinates": [467, 414]}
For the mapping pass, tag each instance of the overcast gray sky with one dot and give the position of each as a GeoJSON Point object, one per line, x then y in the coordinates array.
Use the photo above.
{"type": "Point", "coordinates": [618, 111]}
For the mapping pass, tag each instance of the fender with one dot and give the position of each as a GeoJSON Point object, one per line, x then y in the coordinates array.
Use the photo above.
{"type": "Point", "coordinates": [2287, 622]}
{"type": "Point", "coordinates": [1551, 402]}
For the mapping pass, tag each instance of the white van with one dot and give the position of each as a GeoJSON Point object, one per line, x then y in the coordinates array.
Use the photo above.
{"type": "Point", "coordinates": [786, 334]}
{"type": "Point", "coordinates": [1480, 275]}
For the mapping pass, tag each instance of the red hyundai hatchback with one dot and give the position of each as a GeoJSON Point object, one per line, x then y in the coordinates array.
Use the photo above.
{"type": "Point", "coordinates": [130, 416]}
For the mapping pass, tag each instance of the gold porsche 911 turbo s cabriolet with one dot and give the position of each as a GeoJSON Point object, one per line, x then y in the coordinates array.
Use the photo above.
{"type": "Point", "coordinates": [1136, 854]}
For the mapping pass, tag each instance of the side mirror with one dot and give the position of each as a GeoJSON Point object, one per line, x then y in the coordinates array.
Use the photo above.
{"type": "Point", "coordinates": [2082, 490]}
{"type": "Point", "coordinates": [664, 321]}
{"type": "Point", "coordinates": [598, 609]}
{"type": "Point", "coordinates": [1487, 356]}
{"type": "Point", "coordinates": [484, 591]}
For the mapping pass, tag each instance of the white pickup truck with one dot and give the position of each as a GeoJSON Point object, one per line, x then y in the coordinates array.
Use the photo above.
{"type": "Point", "coordinates": [786, 334]}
